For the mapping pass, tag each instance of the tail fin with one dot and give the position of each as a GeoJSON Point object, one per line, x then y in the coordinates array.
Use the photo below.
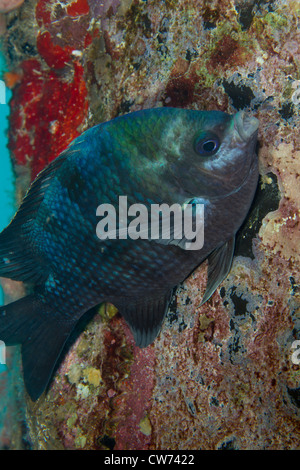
{"type": "Point", "coordinates": [42, 333]}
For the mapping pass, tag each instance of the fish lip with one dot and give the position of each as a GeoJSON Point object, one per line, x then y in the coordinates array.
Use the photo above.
{"type": "Point", "coordinates": [245, 124]}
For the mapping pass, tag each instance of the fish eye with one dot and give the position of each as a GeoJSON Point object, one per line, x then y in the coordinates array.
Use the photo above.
{"type": "Point", "coordinates": [208, 145]}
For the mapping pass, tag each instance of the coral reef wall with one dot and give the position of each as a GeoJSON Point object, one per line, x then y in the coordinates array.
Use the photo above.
{"type": "Point", "coordinates": [220, 376]}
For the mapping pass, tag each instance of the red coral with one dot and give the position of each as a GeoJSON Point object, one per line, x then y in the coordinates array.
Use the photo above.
{"type": "Point", "coordinates": [78, 8]}
{"type": "Point", "coordinates": [47, 112]}
{"type": "Point", "coordinates": [43, 13]}
{"type": "Point", "coordinates": [54, 55]}
{"type": "Point", "coordinates": [89, 37]}
{"type": "Point", "coordinates": [47, 106]}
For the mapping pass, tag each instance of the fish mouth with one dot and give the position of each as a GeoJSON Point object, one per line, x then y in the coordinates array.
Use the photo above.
{"type": "Point", "coordinates": [245, 124]}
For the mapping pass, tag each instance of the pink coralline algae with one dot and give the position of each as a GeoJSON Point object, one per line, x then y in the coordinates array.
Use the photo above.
{"type": "Point", "coordinates": [219, 376]}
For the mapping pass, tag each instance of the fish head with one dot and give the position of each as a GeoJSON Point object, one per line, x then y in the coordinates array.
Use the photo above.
{"type": "Point", "coordinates": [214, 152]}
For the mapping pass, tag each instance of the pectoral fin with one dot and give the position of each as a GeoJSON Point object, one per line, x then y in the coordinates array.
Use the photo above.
{"type": "Point", "coordinates": [219, 264]}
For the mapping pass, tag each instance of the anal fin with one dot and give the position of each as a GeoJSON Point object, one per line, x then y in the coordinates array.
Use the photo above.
{"type": "Point", "coordinates": [219, 264]}
{"type": "Point", "coordinates": [145, 317]}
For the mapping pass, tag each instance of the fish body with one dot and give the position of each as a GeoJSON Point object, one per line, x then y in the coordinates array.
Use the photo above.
{"type": "Point", "coordinates": [156, 156]}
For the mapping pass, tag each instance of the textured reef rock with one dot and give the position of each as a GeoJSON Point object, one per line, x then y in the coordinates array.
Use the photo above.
{"type": "Point", "coordinates": [8, 5]}
{"type": "Point", "coordinates": [219, 376]}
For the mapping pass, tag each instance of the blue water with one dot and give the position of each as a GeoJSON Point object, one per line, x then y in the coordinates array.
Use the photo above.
{"type": "Point", "coordinates": [7, 207]}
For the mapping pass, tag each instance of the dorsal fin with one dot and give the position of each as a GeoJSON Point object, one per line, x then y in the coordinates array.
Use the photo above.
{"type": "Point", "coordinates": [17, 261]}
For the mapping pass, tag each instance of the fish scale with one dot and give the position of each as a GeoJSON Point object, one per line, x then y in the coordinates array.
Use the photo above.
{"type": "Point", "coordinates": [156, 156]}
